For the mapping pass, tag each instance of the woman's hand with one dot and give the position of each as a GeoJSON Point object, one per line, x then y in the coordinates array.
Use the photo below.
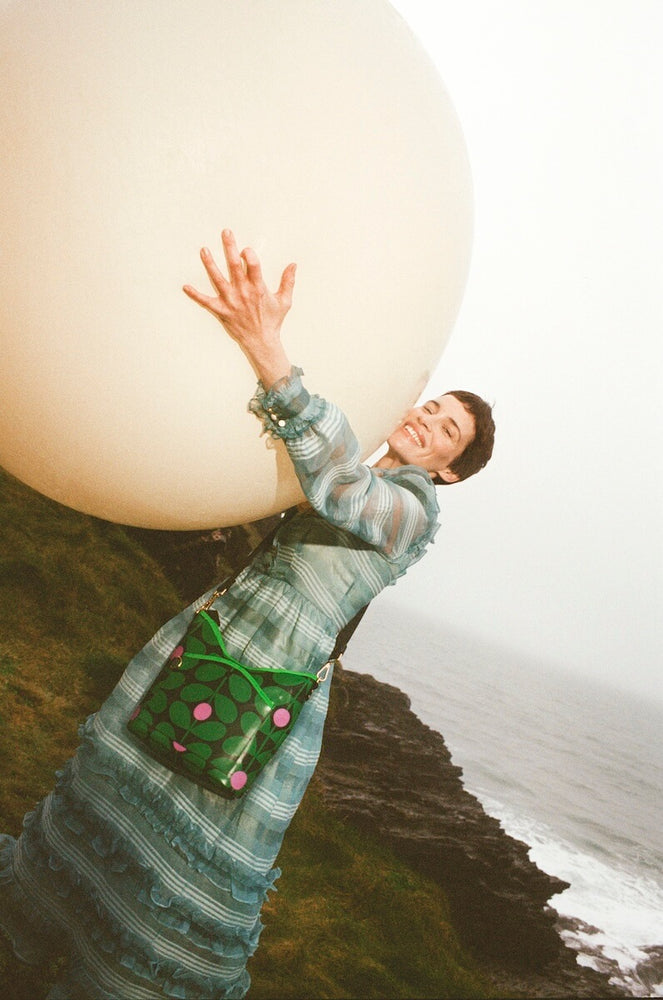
{"type": "Point", "coordinates": [249, 312]}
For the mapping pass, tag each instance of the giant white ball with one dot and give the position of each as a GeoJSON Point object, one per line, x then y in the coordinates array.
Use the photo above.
{"type": "Point", "coordinates": [132, 131]}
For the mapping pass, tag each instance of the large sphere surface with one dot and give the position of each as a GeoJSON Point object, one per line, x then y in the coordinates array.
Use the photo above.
{"type": "Point", "coordinates": [132, 133]}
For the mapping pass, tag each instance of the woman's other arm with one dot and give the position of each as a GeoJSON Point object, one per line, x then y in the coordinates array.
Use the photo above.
{"type": "Point", "coordinates": [321, 444]}
{"type": "Point", "coordinates": [389, 514]}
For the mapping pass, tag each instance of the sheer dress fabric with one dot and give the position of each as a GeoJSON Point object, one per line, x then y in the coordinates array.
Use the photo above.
{"type": "Point", "coordinates": [152, 885]}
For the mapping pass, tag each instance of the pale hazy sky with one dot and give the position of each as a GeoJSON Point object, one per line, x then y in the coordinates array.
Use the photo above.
{"type": "Point", "coordinates": [557, 548]}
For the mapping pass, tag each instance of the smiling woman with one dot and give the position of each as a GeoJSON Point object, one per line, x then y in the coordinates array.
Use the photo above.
{"type": "Point", "coordinates": [451, 437]}
{"type": "Point", "coordinates": [133, 866]}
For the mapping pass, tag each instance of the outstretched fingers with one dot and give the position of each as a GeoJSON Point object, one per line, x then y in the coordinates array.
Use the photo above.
{"type": "Point", "coordinates": [213, 272]}
{"type": "Point", "coordinates": [287, 285]}
{"type": "Point", "coordinates": [233, 260]}
{"type": "Point", "coordinates": [206, 301]}
{"type": "Point", "coordinates": [216, 303]}
{"type": "Point", "coordinates": [253, 268]}
{"type": "Point", "coordinates": [243, 303]}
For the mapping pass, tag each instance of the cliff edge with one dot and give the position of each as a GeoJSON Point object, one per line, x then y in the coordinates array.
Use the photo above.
{"type": "Point", "coordinates": [386, 772]}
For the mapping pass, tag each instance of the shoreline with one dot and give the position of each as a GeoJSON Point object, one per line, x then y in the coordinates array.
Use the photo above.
{"type": "Point", "coordinates": [387, 773]}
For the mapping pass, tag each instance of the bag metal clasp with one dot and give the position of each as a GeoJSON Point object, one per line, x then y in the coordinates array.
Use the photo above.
{"type": "Point", "coordinates": [219, 592]}
{"type": "Point", "coordinates": [323, 672]}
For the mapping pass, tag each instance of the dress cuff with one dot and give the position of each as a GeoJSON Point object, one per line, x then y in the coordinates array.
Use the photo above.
{"type": "Point", "coordinates": [286, 409]}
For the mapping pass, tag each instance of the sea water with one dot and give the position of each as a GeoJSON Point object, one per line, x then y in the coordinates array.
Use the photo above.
{"type": "Point", "coordinates": [571, 767]}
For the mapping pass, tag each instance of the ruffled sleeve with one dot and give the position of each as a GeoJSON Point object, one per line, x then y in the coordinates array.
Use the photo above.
{"type": "Point", "coordinates": [394, 511]}
{"type": "Point", "coordinates": [287, 409]}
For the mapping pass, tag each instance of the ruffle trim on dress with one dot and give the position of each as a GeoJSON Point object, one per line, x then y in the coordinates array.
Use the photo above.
{"type": "Point", "coordinates": [78, 983]}
{"type": "Point", "coordinates": [165, 817]}
{"type": "Point", "coordinates": [112, 938]}
{"type": "Point", "coordinates": [32, 935]}
{"type": "Point", "coordinates": [266, 404]}
{"type": "Point", "coordinates": [171, 909]}
{"type": "Point", "coordinates": [418, 481]}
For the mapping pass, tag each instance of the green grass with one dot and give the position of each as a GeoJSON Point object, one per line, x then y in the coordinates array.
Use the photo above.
{"type": "Point", "coordinates": [77, 599]}
{"type": "Point", "coordinates": [350, 920]}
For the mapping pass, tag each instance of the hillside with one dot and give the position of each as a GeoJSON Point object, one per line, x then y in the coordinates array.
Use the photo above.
{"type": "Point", "coordinates": [78, 597]}
{"type": "Point", "coordinates": [389, 889]}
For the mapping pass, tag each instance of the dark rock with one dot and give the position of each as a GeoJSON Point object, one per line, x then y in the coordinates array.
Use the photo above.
{"type": "Point", "coordinates": [386, 772]}
{"type": "Point", "coordinates": [649, 971]}
{"type": "Point", "coordinates": [193, 561]}
{"type": "Point", "coordinates": [644, 980]}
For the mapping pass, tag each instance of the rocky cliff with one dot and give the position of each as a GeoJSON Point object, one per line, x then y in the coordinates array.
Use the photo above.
{"type": "Point", "coordinates": [384, 771]}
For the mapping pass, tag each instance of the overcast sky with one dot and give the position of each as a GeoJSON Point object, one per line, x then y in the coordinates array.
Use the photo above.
{"type": "Point", "coordinates": [557, 548]}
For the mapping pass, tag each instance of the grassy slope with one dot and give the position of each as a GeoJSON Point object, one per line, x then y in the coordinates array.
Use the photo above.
{"type": "Point", "coordinates": [77, 599]}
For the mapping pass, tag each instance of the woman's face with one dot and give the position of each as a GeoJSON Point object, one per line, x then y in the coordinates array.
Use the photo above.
{"type": "Point", "coordinates": [432, 436]}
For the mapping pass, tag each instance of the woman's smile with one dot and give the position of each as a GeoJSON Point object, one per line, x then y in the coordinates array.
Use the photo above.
{"type": "Point", "coordinates": [414, 434]}
{"type": "Point", "coordinates": [432, 436]}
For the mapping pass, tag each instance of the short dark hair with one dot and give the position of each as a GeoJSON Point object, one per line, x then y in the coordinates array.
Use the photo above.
{"type": "Point", "coordinates": [478, 452]}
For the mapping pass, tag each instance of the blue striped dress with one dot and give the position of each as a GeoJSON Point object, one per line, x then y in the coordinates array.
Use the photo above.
{"type": "Point", "coordinates": [152, 885]}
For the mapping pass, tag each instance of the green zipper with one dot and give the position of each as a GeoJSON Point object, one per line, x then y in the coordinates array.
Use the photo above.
{"type": "Point", "coordinates": [229, 661]}
{"type": "Point", "coordinates": [267, 670]}
{"type": "Point", "coordinates": [236, 666]}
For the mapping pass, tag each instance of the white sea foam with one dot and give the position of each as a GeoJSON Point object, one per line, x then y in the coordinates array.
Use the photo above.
{"type": "Point", "coordinates": [620, 909]}
{"type": "Point", "coordinates": [574, 771]}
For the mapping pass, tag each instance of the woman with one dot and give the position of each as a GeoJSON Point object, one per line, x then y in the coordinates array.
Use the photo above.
{"type": "Point", "coordinates": [152, 884]}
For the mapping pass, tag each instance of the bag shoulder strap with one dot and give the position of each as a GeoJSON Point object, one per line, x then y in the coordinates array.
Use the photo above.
{"type": "Point", "coordinates": [263, 544]}
{"type": "Point", "coordinates": [346, 632]}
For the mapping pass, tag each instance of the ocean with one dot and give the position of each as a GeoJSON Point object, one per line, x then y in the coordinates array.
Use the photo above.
{"type": "Point", "coordinates": [571, 767]}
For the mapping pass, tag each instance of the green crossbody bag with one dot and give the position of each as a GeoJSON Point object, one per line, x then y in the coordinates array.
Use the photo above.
{"type": "Point", "coordinates": [214, 719]}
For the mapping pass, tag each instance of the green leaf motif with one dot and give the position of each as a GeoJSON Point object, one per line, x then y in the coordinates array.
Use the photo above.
{"type": "Point", "coordinates": [240, 688]}
{"type": "Point", "coordinates": [279, 695]}
{"type": "Point", "coordinates": [193, 763]}
{"type": "Point", "coordinates": [195, 645]}
{"type": "Point", "coordinates": [172, 681]}
{"type": "Point", "coordinates": [279, 740]}
{"type": "Point", "coordinates": [234, 744]}
{"type": "Point", "coordinates": [250, 722]}
{"type": "Point", "coordinates": [252, 748]}
{"type": "Point", "coordinates": [180, 715]}
{"type": "Point", "coordinates": [158, 703]}
{"type": "Point", "coordinates": [225, 708]}
{"type": "Point", "coordinates": [208, 635]}
{"type": "Point", "coordinates": [166, 730]}
{"type": "Point", "coordinates": [162, 735]}
{"type": "Point", "coordinates": [142, 723]}
{"type": "Point", "coordinates": [219, 777]}
{"type": "Point", "coordinates": [209, 731]}
{"type": "Point", "coordinates": [209, 671]}
{"type": "Point", "coordinates": [160, 739]}
{"type": "Point", "coordinates": [221, 765]}
{"type": "Point", "coordinates": [196, 692]}
{"type": "Point", "coordinates": [200, 750]}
